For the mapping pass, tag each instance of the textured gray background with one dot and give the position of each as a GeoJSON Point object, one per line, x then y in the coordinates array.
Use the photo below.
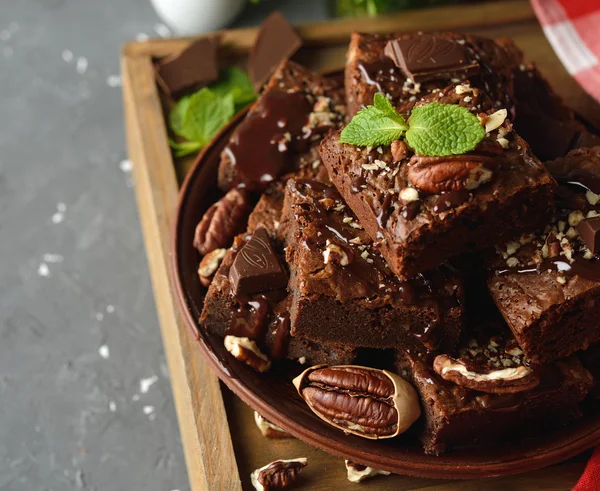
{"type": "Point", "coordinates": [85, 401]}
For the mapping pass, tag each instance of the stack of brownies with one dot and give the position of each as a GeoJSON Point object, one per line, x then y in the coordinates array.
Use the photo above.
{"type": "Point", "coordinates": [479, 273]}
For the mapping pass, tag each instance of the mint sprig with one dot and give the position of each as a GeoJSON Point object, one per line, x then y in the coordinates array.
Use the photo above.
{"type": "Point", "coordinates": [375, 125]}
{"type": "Point", "coordinates": [434, 129]}
{"type": "Point", "coordinates": [198, 117]}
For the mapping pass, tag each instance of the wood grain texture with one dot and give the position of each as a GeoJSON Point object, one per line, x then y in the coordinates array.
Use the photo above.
{"type": "Point", "coordinates": [216, 427]}
{"type": "Point", "coordinates": [203, 422]}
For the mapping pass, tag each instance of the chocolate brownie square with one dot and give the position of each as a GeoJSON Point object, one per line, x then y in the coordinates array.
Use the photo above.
{"type": "Point", "coordinates": [455, 414]}
{"type": "Point", "coordinates": [262, 316]}
{"type": "Point", "coordinates": [422, 210]}
{"type": "Point", "coordinates": [342, 289]}
{"type": "Point", "coordinates": [547, 284]}
{"type": "Point", "coordinates": [283, 129]}
{"type": "Point", "coordinates": [370, 70]}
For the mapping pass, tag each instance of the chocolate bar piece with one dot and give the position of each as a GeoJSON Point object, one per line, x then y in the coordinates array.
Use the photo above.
{"type": "Point", "coordinates": [276, 42]}
{"type": "Point", "coordinates": [589, 231]}
{"type": "Point", "coordinates": [428, 57]}
{"type": "Point", "coordinates": [547, 284]}
{"type": "Point", "coordinates": [256, 267]}
{"type": "Point", "coordinates": [194, 67]}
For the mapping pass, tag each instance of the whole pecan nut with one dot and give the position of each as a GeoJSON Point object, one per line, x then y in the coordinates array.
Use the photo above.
{"type": "Point", "coordinates": [209, 265]}
{"type": "Point", "coordinates": [278, 474]}
{"type": "Point", "coordinates": [248, 352]}
{"type": "Point", "coordinates": [362, 401]}
{"type": "Point", "coordinates": [223, 221]}
{"type": "Point", "coordinates": [452, 173]}
{"type": "Point", "coordinates": [268, 429]}
{"type": "Point", "coordinates": [492, 381]}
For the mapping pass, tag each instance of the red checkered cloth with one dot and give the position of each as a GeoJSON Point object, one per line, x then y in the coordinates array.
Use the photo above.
{"type": "Point", "coordinates": [573, 29]}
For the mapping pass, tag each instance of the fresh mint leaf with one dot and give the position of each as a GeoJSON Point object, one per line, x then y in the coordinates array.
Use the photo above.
{"type": "Point", "coordinates": [177, 116]}
{"type": "Point", "coordinates": [206, 114]}
{"type": "Point", "coordinates": [443, 129]}
{"type": "Point", "coordinates": [236, 82]}
{"type": "Point", "coordinates": [181, 149]}
{"type": "Point", "coordinates": [375, 125]}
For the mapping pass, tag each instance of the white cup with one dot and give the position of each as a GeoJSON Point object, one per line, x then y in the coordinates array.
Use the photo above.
{"type": "Point", "coordinates": [189, 17]}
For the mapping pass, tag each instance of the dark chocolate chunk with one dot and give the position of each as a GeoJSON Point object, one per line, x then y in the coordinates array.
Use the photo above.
{"type": "Point", "coordinates": [426, 57]}
{"type": "Point", "coordinates": [589, 231]}
{"type": "Point", "coordinates": [194, 67]}
{"type": "Point", "coordinates": [276, 41]}
{"type": "Point", "coordinates": [256, 268]}
{"type": "Point", "coordinates": [585, 139]}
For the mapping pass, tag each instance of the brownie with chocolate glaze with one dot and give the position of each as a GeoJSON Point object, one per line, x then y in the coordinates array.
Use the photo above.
{"type": "Point", "coordinates": [547, 284]}
{"type": "Point", "coordinates": [370, 70]}
{"type": "Point", "coordinates": [422, 210]}
{"type": "Point", "coordinates": [456, 415]}
{"type": "Point", "coordinates": [343, 290]}
{"type": "Point", "coordinates": [263, 316]}
{"type": "Point", "coordinates": [283, 129]}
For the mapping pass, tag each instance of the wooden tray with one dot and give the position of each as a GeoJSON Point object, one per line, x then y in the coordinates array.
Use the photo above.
{"type": "Point", "coordinates": [221, 443]}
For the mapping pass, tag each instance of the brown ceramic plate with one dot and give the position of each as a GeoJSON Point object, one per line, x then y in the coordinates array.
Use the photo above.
{"type": "Point", "coordinates": [273, 395]}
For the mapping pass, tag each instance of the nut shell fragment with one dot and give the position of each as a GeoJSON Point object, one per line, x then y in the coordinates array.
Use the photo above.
{"type": "Point", "coordinates": [362, 401]}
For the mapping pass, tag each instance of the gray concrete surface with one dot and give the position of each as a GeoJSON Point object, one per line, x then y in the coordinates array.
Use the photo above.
{"type": "Point", "coordinates": [85, 401]}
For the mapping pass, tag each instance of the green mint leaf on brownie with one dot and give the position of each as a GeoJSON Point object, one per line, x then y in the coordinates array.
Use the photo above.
{"type": "Point", "coordinates": [375, 125]}
{"type": "Point", "coordinates": [236, 82]}
{"type": "Point", "coordinates": [443, 129]}
{"type": "Point", "coordinates": [206, 114]}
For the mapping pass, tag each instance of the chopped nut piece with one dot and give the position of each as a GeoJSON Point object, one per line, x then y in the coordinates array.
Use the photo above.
{"type": "Point", "coordinates": [358, 473]}
{"type": "Point", "coordinates": [592, 197]}
{"type": "Point", "coordinates": [512, 247]}
{"type": "Point", "coordinates": [575, 217]}
{"type": "Point", "coordinates": [409, 194]}
{"type": "Point", "coordinates": [508, 380]}
{"type": "Point", "coordinates": [209, 265]}
{"type": "Point", "coordinates": [495, 120]}
{"type": "Point", "coordinates": [463, 89]}
{"type": "Point", "coordinates": [511, 262]}
{"type": "Point", "coordinates": [268, 429]}
{"type": "Point", "coordinates": [399, 150]}
{"type": "Point", "coordinates": [278, 474]}
{"type": "Point", "coordinates": [248, 352]}
{"type": "Point", "coordinates": [334, 252]}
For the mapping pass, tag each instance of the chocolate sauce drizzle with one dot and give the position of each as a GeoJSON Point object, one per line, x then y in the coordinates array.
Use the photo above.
{"type": "Point", "coordinates": [571, 192]}
{"type": "Point", "coordinates": [261, 147]}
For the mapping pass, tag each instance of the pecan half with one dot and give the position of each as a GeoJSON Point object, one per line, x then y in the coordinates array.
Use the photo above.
{"type": "Point", "coordinates": [268, 429]}
{"type": "Point", "coordinates": [362, 401]}
{"type": "Point", "coordinates": [223, 221]}
{"type": "Point", "coordinates": [452, 173]}
{"type": "Point", "coordinates": [358, 472]}
{"type": "Point", "coordinates": [209, 265]}
{"type": "Point", "coordinates": [492, 381]}
{"type": "Point", "coordinates": [399, 150]}
{"type": "Point", "coordinates": [278, 474]}
{"type": "Point", "coordinates": [248, 352]}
